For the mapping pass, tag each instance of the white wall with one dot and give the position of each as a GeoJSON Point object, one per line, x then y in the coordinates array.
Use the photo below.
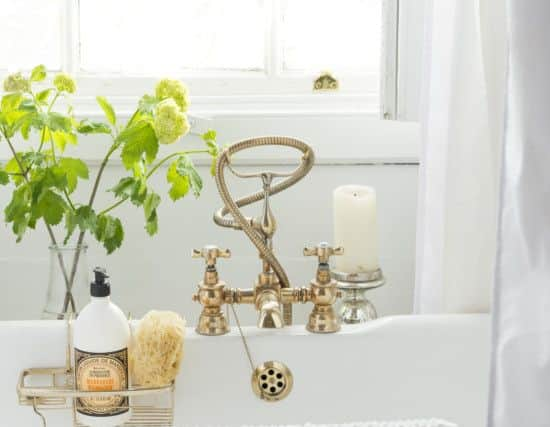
{"type": "Point", "coordinates": [159, 273]}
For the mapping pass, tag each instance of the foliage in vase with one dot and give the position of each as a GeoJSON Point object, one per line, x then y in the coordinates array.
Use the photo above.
{"type": "Point", "coordinates": [44, 179]}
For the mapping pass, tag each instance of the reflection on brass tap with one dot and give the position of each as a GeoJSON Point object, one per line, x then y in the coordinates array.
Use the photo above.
{"type": "Point", "coordinates": [270, 310]}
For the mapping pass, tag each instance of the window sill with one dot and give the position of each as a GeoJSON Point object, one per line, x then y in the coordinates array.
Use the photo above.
{"type": "Point", "coordinates": [341, 131]}
{"type": "Point", "coordinates": [337, 138]}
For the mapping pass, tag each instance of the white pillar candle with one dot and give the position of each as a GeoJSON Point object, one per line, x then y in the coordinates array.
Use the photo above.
{"type": "Point", "coordinates": [355, 228]}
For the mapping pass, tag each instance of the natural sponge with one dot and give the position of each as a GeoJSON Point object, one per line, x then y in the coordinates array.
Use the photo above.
{"type": "Point", "coordinates": [157, 349]}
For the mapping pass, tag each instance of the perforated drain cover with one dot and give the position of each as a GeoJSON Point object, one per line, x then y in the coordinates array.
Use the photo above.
{"type": "Point", "coordinates": [272, 381]}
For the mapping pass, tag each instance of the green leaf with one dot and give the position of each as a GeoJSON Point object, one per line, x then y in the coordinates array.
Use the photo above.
{"type": "Point", "coordinates": [180, 184]}
{"type": "Point", "coordinates": [152, 225]}
{"type": "Point", "coordinates": [124, 188]}
{"type": "Point", "coordinates": [12, 167]}
{"type": "Point", "coordinates": [43, 179]}
{"type": "Point", "coordinates": [209, 135]}
{"type": "Point", "coordinates": [133, 188]}
{"type": "Point", "coordinates": [51, 207]}
{"type": "Point", "coordinates": [25, 130]}
{"type": "Point", "coordinates": [42, 97]}
{"type": "Point", "coordinates": [17, 211]}
{"type": "Point", "coordinates": [107, 109]}
{"type": "Point", "coordinates": [186, 168]}
{"type": "Point", "coordinates": [70, 225]}
{"type": "Point", "coordinates": [11, 102]}
{"type": "Point", "coordinates": [87, 127]}
{"type": "Point", "coordinates": [110, 232]}
{"type": "Point", "coordinates": [84, 217]}
{"type": "Point", "coordinates": [27, 105]}
{"type": "Point", "coordinates": [20, 226]}
{"type": "Point", "coordinates": [4, 177]}
{"type": "Point", "coordinates": [140, 192]}
{"type": "Point", "coordinates": [138, 139]}
{"type": "Point", "coordinates": [26, 121]}
{"type": "Point", "coordinates": [11, 120]}
{"type": "Point", "coordinates": [24, 124]}
{"type": "Point", "coordinates": [18, 205]}
{"type": "Point", "coordinates": [58, 121]}
{"type": "Point", "coordinates": [61, 139]}
{"type": "Point", "coordinates": [34, 157]}
{"type": "Point", "coordinates": [73, 169]}
{"type": "Point", "coordinates": [150, 205]}
{"type": "Point", "coordinates": [54, 121]}
{"type": "Point", "coordinates": [38, 73]}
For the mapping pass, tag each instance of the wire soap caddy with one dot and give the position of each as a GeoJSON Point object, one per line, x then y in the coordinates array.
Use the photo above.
{"type": "Point", "coordinates": [54, 388]}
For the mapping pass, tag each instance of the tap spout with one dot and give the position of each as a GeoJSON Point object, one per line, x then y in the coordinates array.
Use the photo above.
{"type": "Point", "coordinates": [269, 308]}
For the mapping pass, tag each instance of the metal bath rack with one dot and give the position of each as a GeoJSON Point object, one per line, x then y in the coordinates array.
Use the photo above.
{"type": "Point", "coordinates": [55, 389]}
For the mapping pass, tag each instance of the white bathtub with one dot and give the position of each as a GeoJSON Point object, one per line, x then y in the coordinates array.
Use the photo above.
{"type": "Point", "coordinates": [392, 368]}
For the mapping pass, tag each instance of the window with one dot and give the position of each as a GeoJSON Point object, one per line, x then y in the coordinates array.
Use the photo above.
{"type": "Point", "coordinates": [22, 22]}
{"type": "Point", "coordinates": [246, 48]}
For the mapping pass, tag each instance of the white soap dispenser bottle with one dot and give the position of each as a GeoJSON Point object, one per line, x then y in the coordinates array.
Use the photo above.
{"type": "Point", "coordinates": [101, 339]}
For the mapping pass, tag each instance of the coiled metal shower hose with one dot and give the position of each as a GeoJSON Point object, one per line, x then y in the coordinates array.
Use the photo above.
{"type": "Point", "coordinates": [238, 220]}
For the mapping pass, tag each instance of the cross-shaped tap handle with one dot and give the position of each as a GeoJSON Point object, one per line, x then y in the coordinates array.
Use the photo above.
{"type": "Point", "coordinates": [210, 253]}
{"type": "Point", "coordinates": [323, 251]}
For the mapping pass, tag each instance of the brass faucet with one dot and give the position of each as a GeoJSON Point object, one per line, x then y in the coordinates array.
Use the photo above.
{"type": "Point", "coordinates": [267, 295]}
{"type": "Point", "coordinates": [272, 294]}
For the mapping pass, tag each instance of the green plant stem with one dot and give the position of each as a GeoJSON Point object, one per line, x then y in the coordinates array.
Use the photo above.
{"type": "Point", "coordinates": [53, 101]}
{"type": "Point", "coordinates": [65, 193]}
{"type": "Point", "coordinates": [68, 198]}
{"type": "Point", "coordinates": [43, 135]}
{"type": "Point", "coordinates": [53, 149]}
{"type": "Point", "coordinates": [42, 140]}
{"type": "Point", "coordinates": [113, 206]}
{"type": "Point", "coordinates": [150, 173]}
{"type": "Point", "coordinates": [82, 233]}
{"type": "Point", "coordinates": [171, 156]}
{"type": "Point", "coordinates": [48, 227]}
{"type": "Point", "coordinates": [15, 156]}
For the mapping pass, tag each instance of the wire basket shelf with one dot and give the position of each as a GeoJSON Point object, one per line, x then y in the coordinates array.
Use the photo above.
{"type": "Point", "coordinates": [54, 388]}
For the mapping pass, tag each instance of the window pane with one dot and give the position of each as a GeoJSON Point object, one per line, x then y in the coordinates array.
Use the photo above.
{"type": "Point", "coordinates": [30, 34]}
{"type": "Point", "coordinates": [332, 35]}
{"type": "Point", "coordinates": [144, 36]}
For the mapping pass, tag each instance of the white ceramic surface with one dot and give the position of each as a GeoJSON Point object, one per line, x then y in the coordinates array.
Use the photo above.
{"type": "Point", "coordinates": [392, 368]}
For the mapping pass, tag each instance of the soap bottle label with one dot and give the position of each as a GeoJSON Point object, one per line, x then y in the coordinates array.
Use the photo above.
{"type": "Point", "coordinates": [101, 372]}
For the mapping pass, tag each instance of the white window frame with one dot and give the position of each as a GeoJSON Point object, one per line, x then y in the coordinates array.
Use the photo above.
{"type": "Point", "coordinates": [342, 127]}
{"type": "Point", "coordinates": [252, 90]}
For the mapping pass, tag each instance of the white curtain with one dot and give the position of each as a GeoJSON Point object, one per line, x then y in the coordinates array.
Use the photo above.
{"type": "Point", "coordinates": [520, 391]}
{"type": "Point", "coordinates": [464, 77]}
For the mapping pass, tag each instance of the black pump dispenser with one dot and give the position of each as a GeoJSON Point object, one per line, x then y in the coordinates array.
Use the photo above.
{"type": "Point", "coordinates": [100, 287]}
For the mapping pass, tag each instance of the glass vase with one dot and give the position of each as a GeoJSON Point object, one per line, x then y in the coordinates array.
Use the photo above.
{"type": "Point", "coordinates": [68, 284]}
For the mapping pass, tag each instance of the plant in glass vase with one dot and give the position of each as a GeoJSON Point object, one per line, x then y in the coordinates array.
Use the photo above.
{"type": "Point", "coordinates": [44, 179]}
